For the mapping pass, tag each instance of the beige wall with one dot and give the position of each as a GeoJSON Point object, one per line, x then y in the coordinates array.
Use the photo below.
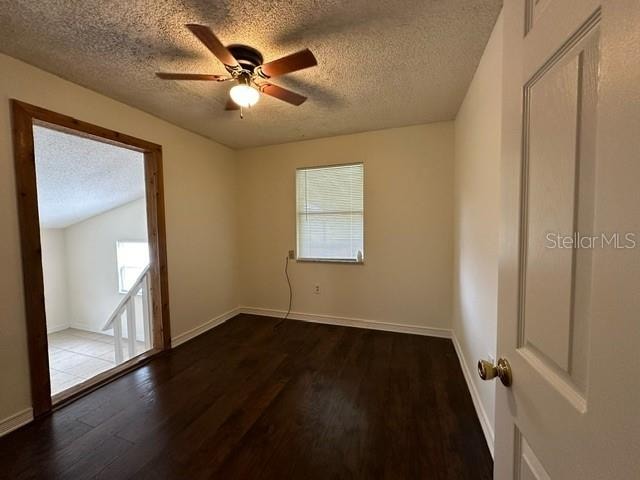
{"type": "Point", "coordinates": [406, 278]}
{"type": "Point", "coordinates": [91, 268]}
{"type": "Point", "coordinates": [54, 270]}
{"type": "Point", "coordinates": [477, 218]}
{"type": "Point", "coordinates": [79, 268]}
{"type": "Point", "coordinates": [200, 213]}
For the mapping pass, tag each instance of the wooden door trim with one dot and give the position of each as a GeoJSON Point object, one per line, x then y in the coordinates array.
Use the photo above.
{"type": "Point", "coordinates": [24, 116]}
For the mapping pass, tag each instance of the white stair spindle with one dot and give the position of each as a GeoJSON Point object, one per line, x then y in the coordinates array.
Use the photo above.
{"type": "Point", "coordinates": [117, 337]}
{"type": "Point", "coordinates": [146, 321]}
{"type": "Point", "coordinates": [131, 326]}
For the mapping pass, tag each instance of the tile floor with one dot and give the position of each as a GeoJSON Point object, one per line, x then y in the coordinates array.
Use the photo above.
{"type": "Point", "coordinates": [77, 355]}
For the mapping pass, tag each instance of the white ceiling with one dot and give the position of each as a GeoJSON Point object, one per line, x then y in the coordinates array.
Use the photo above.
{"type": "Point", "coordinates": [79, 178]}
{"type": "Point", "coordinates": [382, 63]}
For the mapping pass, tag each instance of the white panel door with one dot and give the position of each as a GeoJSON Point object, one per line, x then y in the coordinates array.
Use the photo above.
{"type": "Point", "coordinates": [569, 283]}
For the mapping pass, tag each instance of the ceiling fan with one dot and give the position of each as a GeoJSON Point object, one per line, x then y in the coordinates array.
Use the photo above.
{"type": "Point", "coordinates": [245, 66]}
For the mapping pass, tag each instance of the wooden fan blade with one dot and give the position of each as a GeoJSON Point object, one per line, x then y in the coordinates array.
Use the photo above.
{"type": "Point", "coordinates": [283, 94]}
{"type": "Point", "coordinates": [290, 63]}
{"type": "Point", "coordinates": [231, 105]}
{"type": "Point", "coordinates": [206, 36]}
{"type": "Point", "coordinates": [189, 76]}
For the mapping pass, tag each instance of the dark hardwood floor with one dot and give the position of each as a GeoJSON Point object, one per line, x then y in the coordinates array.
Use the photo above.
{"type": "Point", "coordinates": [258, 398]}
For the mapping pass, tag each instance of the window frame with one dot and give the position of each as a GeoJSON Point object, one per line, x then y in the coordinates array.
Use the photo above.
{"type": "Point", "coordinates": [344, 261]}
{"type": "Point", "coordinates": [118, 273]}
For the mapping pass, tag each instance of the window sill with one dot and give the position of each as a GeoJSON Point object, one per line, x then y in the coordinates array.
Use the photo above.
{"type": "Point", "coordinates": [329, 260]}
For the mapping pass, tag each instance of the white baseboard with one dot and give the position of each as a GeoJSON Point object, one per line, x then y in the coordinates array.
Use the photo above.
{"type": "Point", "coordinates": [57, 329]}
{"type": "Point", "coordinates": [487, 429]}
{"type": "Point", "coordinates": [351, 322]}
{"type": "Point", "coordinates": [194, 332]}
{"type": "Point", "coordinates": [87, 327]}
{"type": "Point", "coordinates": [314, 318]}
{"type": "Point", "coordinates": [16, 421]}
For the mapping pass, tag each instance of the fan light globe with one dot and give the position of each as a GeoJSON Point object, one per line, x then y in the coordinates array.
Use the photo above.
{"type": "Point", "coordinates": [244, 95]}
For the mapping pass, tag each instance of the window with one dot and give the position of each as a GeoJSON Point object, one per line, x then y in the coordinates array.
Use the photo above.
{"type": "Point", "coordinates": [132, 258]}
{"type": "Point", "coordinates": [330, 213]}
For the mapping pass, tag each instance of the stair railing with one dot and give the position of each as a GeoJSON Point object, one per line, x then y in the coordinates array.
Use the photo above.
{"type": "Point", "coordinates": [127, 307]}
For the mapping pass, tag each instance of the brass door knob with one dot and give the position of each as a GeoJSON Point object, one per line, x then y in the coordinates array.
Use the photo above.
{"type": "Point", "coordinates": [502, 370]}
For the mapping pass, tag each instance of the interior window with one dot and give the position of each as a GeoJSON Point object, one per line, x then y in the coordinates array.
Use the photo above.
{"type": "Point", "coordinates": [132, 258]}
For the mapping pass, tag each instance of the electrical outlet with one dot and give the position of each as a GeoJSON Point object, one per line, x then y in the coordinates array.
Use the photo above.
{"type": "Point", "coordinates": [316, 290]}
{"type": "Point", "coordinates": [292, 254]}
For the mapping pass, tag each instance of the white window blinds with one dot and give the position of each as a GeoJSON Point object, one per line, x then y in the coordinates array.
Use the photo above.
{"type": "Point", "coordinates": [330, 212]}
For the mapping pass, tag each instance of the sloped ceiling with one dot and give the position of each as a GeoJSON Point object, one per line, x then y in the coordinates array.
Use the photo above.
{"type": "Point", "coordinates": [381, 63]}
{"type": "Point", "coordinates": [79, 178]}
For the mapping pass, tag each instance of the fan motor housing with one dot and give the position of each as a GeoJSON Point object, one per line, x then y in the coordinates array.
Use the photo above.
{"type": "Point", "coordinates": [248, 58]}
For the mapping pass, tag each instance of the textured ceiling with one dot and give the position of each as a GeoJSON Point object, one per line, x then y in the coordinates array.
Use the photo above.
{"type": "Point", "coordinates": [79, 178]}
{"type": "Point", "coordinates": [382, 63]}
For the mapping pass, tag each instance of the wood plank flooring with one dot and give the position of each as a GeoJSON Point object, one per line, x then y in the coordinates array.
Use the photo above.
{"type": "Point", "coordinates": [259, 398]}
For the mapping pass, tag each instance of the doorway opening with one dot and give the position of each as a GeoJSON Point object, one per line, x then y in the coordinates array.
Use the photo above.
{"type": "Point", "coordinates": [91, 213]}
{"type": "Point", "coordinates": [95, 251]}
